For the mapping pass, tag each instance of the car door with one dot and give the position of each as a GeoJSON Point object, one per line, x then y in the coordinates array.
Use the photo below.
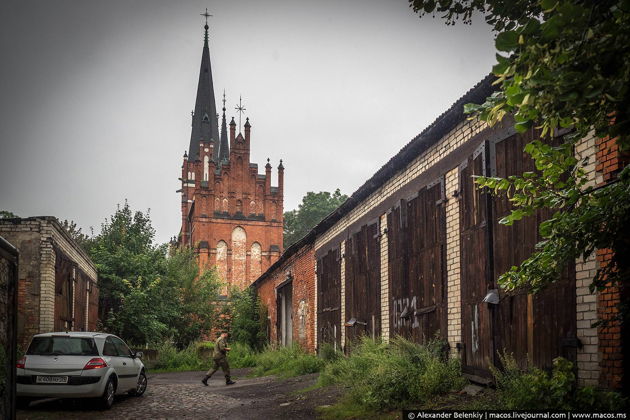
{"type": "Point", "coordinates": [128, 370]}
{"type": "Point", "coordinates": [110, 354]}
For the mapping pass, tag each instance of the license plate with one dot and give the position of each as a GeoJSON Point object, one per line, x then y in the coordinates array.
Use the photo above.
{"type": "Point", "coordinates": [52, 380]}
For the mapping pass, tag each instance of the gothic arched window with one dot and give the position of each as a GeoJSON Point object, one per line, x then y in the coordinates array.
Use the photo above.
{"type": "Point", "coordinates": [239, 257]}
{"type": "Point", "coordinates": [256, 261]}
{"type": "Point", "coordinates": [222, 249]}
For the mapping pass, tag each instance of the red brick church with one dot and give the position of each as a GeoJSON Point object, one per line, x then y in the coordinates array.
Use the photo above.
{"type": "Point", "coordinates": [231, 215]}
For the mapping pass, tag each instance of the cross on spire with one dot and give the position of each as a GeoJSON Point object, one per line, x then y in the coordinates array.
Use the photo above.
{"type": "Point", "coordinates": [240, 109]}
{"type": "Point", "coordinates": [206, 15]}
{"type": "Point", "coordinates": [223, 100]}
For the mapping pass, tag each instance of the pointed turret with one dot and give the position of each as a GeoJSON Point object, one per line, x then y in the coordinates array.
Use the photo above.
{"type": "Point", "coordinates": [224, 151]}
{"type": "Point", "coordinates": [204, 124]}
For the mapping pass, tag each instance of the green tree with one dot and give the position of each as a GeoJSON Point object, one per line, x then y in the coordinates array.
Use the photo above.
{"type": "Point", "coordinates": [196, 312]}
{"type": "Point", "coordinates": [314, 207]}
{"type": "Point", "coordinates": [147, 296]}
{"type": "Point", "coordinates": [125, 257]}
{"type": "Point", "coordinates": [249, 318]}
{"type": "Point", "coordinates": [5, 214]}
{"type": "Point", "coordinates": [560, 64]}
{"type": "Point", "coordinates": [76, 234]}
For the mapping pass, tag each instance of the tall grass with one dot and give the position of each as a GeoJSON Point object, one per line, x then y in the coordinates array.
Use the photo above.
{"type": "Point", "coordinates": [286, 362]}
{"type": "Point", "coordinates": [171, 359]}
{"type": "Point", "coordinates": [380, 376]}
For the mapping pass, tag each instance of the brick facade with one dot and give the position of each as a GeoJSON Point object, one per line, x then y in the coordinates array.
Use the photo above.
{"type": "Point", "coordinates": [300, 269]}
{"type": "Point", "coordinates": [40, 240]}
{"type": "Point", "coordinates": [230, 214]}
{"type": "Point", "coordinates": [610, 161]}
{"type": "Point", "coordinates": [454, 300]}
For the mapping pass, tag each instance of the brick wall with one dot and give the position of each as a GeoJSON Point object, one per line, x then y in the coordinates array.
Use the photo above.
{"type": "Point", "coordinates": [384, 280]}
{"type": "Point", "coordinates": [610, 161]}
{"type": "Point", "coordinates": [586, 305]}
{"type": "Point", "coordinates": [219, 204]}
{"type": "Point", "coordinates": [36, 238]}
{"type": "Point", "coordinates": [342, 309]}
{"type": "Point", "coordinates": [300, 267]}
{"type": "Point", "coordinates": [454, 299]}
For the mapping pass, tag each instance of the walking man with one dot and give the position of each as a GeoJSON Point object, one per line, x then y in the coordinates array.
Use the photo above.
{"type": "Point", "coordinates": [219, 356]}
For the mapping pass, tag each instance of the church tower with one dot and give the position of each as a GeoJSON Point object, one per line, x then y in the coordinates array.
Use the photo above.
{"type": "Point", "coordinates": [231, 215]}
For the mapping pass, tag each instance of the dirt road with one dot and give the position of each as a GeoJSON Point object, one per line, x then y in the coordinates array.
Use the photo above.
{"type": "Point", "coordinates": [181, 395]}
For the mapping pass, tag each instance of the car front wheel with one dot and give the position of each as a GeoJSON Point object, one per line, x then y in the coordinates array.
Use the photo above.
{"type": "Point", "coordinates": [107, 399]}
{"type": "Point", "coordinates": [141, 386]}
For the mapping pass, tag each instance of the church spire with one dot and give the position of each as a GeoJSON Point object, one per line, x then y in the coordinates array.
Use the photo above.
{"type": "Point", "coordinates": [224, 151]}
{"type": "Point", "coordinates": [204, 124]}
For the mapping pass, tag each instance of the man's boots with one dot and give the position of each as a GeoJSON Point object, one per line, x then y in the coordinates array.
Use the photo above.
{"type": "Point", "coordinates": [205, 380]}
{"type": "Point", "coordinates": [229, 381]}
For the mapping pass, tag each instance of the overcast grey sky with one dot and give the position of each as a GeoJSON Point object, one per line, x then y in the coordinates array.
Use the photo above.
{"type": "Point", "coordinates": [95, 96]}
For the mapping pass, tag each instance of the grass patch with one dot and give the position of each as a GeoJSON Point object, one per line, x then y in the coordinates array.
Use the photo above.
{"type": "Point", "coordinates": [241, 356]}
{"type": "Point", "coordinates": [286, 362]}
{"type": "Point", "coordinates": [170, 359]}
{"type": "Point", "coordinates": [198, 356]}
{"type": "Point", "coordinates": [381, 377]}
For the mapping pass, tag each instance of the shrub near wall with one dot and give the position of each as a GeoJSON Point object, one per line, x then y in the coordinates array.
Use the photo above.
{"type": "Point", "coordinates": [381, 376]}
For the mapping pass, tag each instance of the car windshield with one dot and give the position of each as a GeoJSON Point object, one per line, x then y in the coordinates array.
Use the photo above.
{"type": "Point", "coordinates": [62, 346]}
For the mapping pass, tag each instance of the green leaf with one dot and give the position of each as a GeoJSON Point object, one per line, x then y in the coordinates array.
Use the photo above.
{"type": "Point", "coordinates": [507, 41]}
{"type": "Point", "coordinates": [548, 5]}
{"type": "Point", "coordinates": [522, 127]}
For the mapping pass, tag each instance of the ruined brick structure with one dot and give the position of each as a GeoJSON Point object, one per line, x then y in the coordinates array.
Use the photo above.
{"type": "Point", "coordinates": [231, 215]}
{"type": "Point", "coordinates": [288, 292]}
{"type": "Point", "coordinates": [416, 251]}
{"type": "Point", "coordinates": [57, 281]}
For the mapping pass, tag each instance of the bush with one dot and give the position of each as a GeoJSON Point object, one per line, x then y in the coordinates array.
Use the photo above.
{"type": "Point", "coordinates": [169, 358]}
{"type": "Point", "coordinates": [248, 318]}
{"type": "Point", "coordinates": [286, 362]}
{"type": "Point", "coordinates": [536, 389]}
{"type": "Point", "coordinates": [381, 376]}
{"type": "Point", "coordinates": [328, 353]}
{"type": "Point", "coordinates": [241, 356]}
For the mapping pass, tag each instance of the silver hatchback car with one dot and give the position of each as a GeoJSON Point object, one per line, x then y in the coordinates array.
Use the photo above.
{"type": "Point", "coordinates": [79, 365]}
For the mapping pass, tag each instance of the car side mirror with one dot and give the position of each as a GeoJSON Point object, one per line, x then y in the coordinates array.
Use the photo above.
{"type": "Point", "coordinates": [138, 355]}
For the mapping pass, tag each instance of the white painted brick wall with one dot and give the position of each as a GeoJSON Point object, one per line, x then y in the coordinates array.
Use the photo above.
{"type": "Point", "coordinates": [453, 279]}
{"type": "Point", "coordinates": [342, 304]}
{"type": "Point", "coordinates": [586, 302]}
{"type": "Point", "coordinates": [384, 280]}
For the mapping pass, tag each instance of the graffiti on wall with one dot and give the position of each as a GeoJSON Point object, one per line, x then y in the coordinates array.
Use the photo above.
{"type": "Point", "coordinates": [404, 312]}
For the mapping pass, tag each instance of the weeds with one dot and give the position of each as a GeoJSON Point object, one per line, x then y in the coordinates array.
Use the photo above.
{"type": "Point", "coordinates": [381, 376]}
{"type": "Point", "coordinates": [286, 362]}
{"type": "Point", "coordinates": [173, 360]}
{"type": "Point", "coordinates": [533, 388]}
